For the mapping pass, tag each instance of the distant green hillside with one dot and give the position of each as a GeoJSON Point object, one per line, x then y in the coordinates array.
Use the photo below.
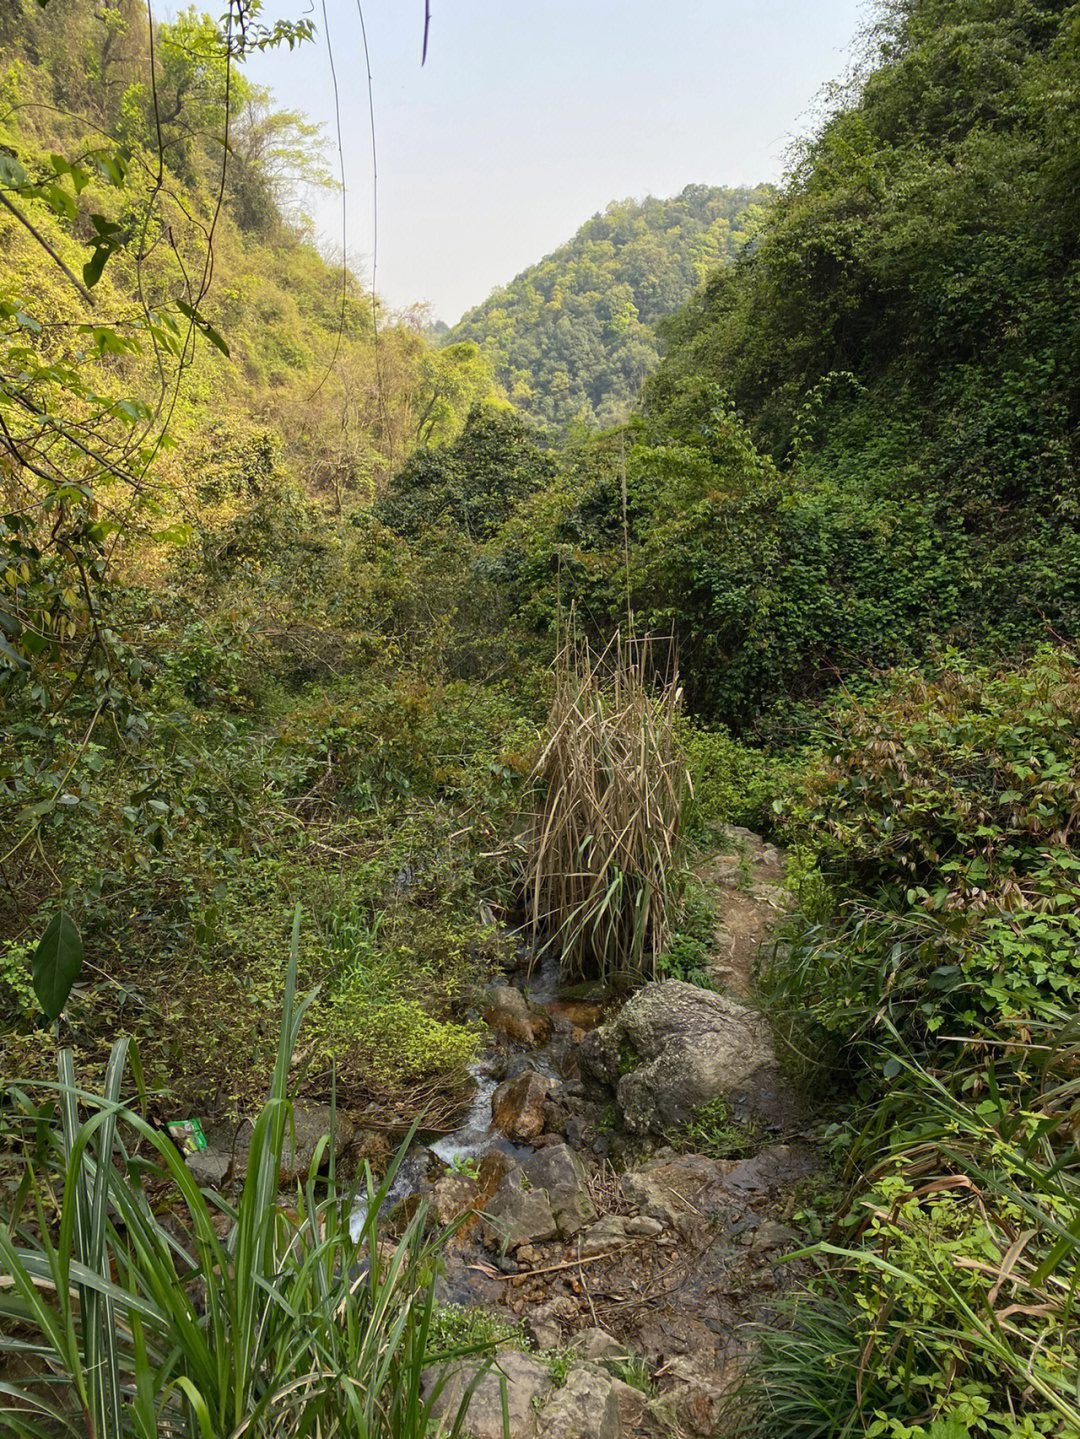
{"type": "Point", "coordinates": [571, 338]}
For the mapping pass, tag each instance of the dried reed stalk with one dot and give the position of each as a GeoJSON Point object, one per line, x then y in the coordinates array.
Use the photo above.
{"type": "Point", "coordinates": [605, 844]}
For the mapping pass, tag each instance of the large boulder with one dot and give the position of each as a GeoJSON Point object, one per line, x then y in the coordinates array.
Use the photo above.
{"type": "Point", "coordinates": [528, 1384]}
{"type": "Point", "coordinates": [674, 1048]}
{"type": "Point", "coordinates": [584, 1408]}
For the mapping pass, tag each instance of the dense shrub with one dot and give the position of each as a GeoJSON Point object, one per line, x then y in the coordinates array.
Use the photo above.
{"type": "Point", "coordinates": [471, 483]}
{"type": "Point", "coordinates": [943, 816]}
{"type": "Point", "coordinates": [946, 1308]}
{"type": "Point", "coordinates": [730, 782]}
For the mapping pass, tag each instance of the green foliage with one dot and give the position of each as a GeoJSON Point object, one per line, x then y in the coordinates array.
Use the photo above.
{"type": "Point", "coordinates": [947, 1308]}
{"type": "Point", "coordinates": [471, 484]}
{"type": "Point", "coordinates": [267, 1313]}
{"type": "Point", "coordinates": [571, 339]}
{"type": "Point", "coordinates": [941, 812]}
{"type": "Point", "coordinates": [690, 947]}
{"type": "Point", "coordinates": [468, 1326]}
{"type": "Point", "coordinates": [712, 1131]}
{"type": "Point", "coordinates": [731, 783]}
{"type": "Point", "coordinates": [898, 341]}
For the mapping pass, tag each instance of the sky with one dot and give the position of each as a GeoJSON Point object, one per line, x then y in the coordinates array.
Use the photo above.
{"type": "Point", "coordinates": [529, 116]}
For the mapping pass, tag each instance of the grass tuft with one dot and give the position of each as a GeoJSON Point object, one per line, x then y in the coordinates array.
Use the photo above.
{"type": "Point", "coordinates": [606, 844]}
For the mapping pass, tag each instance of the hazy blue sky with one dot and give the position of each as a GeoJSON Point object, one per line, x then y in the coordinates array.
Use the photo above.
{"type": "Point", "coordinates": [530, 117]}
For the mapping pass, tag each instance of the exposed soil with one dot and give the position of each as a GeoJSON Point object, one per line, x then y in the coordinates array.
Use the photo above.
{"type": "Point", "coordinates": [745, 879]}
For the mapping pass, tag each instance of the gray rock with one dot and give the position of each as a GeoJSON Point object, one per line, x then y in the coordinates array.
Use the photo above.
{"type": "Point", "coordinates": [632, 1406]}
{"type": "Point", "coordinates": [609, 1233]}
{"type": "Point", "coordinates": [700, 1393]}
{"type": "Point", "coordinates": [558, 1171]}
{"type": "Point", "coordinates": [584, 1408]}
{"type": "Point", "coordinates": [310, 1124]}
{"type": "Point", "coordinates": [557, 1167]}
{"type": "Point", "coordinates": [527, 1384]}
{"type": "Point", "coordinates": [597, 1344]}
{"type": "Point", "coordinates": [770, 1234]}
{"type": "Point", "coordinates": [691, 1046]}
{"type": "Point", "coordinates": [654, 1196]}
{"type": "Point", "coordinates": [518, 1214]}
{"type": "Point", "coordinates": [676, 1192]}
{"type": "Point", "coordinates": [643, 1226]}
{"type": "Point", "coordinates": [545, 1333]}
{"type": "Point", "coordinates": [208, 1166]}
{"type": "Point", "coordinates": [780, 1164]}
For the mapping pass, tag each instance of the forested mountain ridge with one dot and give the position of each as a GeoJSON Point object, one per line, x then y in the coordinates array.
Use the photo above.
{"type": "Point", "coordinates": [571, 339]}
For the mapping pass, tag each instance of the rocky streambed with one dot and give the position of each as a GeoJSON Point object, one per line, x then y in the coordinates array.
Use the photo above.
{"type": "Point", "coordinates": [620, 1254]}
{"type": "Point", "coordinates": [635, 1267]}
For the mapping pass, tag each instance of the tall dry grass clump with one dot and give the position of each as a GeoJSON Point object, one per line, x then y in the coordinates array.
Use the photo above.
{"type": "Point", "coordinates": [605, 844]}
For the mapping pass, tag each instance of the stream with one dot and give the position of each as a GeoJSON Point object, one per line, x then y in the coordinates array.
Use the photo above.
{"type": "Point", "coordinates": [476, 1135]}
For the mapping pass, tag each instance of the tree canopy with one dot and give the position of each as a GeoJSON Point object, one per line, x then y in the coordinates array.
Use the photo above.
{"type": "Point", "coordinates": [572, 338]}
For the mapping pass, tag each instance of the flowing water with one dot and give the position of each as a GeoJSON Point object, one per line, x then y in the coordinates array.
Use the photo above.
{"type": "Point", "coordinates": [476, 1136]}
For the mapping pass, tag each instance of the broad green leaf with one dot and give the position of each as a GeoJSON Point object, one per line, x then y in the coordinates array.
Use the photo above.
{"type": "Point", "coordinates": [57, 962]}
{"type": "Point", "coordinates": [95, 265]}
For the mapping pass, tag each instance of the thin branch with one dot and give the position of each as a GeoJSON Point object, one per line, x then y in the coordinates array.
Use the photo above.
{"type": "Point", "coordinates": [40, 238]}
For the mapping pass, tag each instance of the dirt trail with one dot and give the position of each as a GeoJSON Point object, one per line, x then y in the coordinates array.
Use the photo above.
{"type": "Point", "coordinates": [745, 880]}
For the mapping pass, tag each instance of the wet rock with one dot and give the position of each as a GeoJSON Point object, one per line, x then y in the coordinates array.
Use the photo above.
{"type": "Point", "coordinates": [452, 1196]}
{"type": "Point", "coordinates": [517, 1106]}
{"type": "Point", "coordinates": [517, 1215]}
{"type": "Point", "coordinates": [687, 1046]}
{"type": "Point", "coordinates": [555, 1117]}
{"type": "Point", "coordinates": [584, 1408]}
{"type": "Point", "coordinates": [518, 1064]}
{"type": "Point", "coordinates": [528, 1384]}
{"type": "Point", "coordinates": [510, 1015]}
